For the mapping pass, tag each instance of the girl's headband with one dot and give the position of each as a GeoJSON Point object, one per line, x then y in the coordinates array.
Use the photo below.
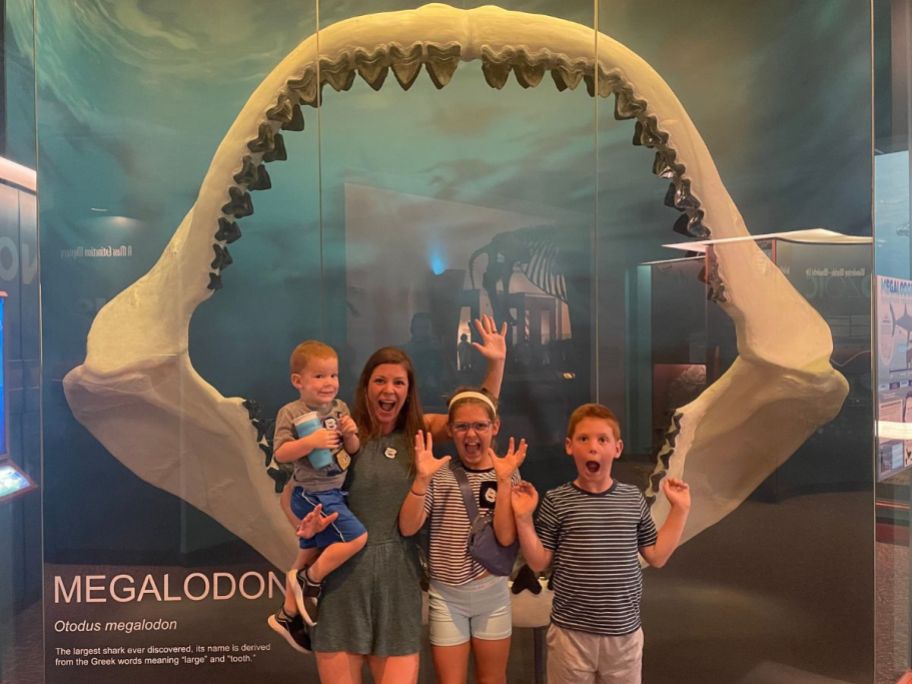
{"type": "Point", "coordinates": [472, 395]}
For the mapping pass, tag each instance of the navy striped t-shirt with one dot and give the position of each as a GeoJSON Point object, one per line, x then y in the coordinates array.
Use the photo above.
{"type": "Point", "coordinates": [596, 570]}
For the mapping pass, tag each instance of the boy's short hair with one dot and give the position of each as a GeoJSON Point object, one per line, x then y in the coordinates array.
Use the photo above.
{"type": "Point", "coordinates": [307, 350]}
{"type": "Point", "coordinates": [593, 411]}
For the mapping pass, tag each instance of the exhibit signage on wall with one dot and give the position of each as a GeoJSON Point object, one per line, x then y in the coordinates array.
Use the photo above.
{"type": "Point", "coordinates": [894, 374]}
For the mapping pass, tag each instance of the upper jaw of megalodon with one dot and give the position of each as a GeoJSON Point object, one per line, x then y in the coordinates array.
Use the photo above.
{"type": "Point", "coordinates": [138, 393]}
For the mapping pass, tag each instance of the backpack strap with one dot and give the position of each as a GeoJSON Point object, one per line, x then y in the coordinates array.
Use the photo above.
{"type": "Point", "coordinates": [466, 489]}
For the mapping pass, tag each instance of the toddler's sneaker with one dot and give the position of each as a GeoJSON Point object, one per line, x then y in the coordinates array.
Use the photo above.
{"type": "Point", "coordinates": [306, 594]}
{"type": "Point", "coordinates": [292, 629]}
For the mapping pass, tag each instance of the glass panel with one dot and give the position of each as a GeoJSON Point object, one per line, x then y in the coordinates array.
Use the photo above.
{"type": "Point", "coordinates": [473, 197]}
{"type": "Point", "coordinates": [151, 446]}
{"type": "Point", "coordinates": [761, 535]}
{"type": "Point", "coordinates": [20, 451]}
{"type": "Point", "coordinates": [403, 212]}
{"type": "Point", "coordinates": [893, 263]}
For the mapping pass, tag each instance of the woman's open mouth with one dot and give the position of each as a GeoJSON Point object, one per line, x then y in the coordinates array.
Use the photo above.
{"type": "Point", "coordinates": [386, 406]}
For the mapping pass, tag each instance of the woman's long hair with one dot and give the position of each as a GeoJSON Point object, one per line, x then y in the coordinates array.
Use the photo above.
{"type": "Point", "coordinates": [410, 418]}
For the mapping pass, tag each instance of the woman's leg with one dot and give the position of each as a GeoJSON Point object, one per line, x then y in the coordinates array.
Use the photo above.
{"type": "Point", "coordinates": [451, 663]}
{"type": "Point", "coordinates": [491, 657]}
{"type": "Point", "coordinates": [391, 669]}
{"type": "Point", "coordinates": [340, 667]}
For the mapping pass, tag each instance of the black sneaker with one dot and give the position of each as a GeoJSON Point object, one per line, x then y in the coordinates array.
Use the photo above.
{"type": "Point", "coordinates": [292, 629]}
{"type": "Point", "coordinates": [306, 595]}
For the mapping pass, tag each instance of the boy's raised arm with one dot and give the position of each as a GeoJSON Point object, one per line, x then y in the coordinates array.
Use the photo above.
{"type": "Point", "coordinates": [678, 494]}
{"type": "Point", "coordinates": [524, 500]}
{"type": "Point", "coordinates": [506, 467]}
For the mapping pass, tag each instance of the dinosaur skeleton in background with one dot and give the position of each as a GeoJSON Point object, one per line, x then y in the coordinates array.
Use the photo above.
{"type": "Point", "coordinates": [536, 255]}
{"type": "Point", "coordinates": [138, 391]}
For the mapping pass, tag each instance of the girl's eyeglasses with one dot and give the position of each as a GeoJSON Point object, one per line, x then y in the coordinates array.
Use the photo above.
{"type": "Point", "coordinates": [480, 426]}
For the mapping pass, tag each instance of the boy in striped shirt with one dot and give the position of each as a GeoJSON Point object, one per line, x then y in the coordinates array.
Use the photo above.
{"type": "Point", "coordinates": [591, 530]}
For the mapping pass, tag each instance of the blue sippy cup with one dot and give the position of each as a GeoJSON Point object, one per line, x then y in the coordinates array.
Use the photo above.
{"type": "Point", "coordinates": [305, 424]}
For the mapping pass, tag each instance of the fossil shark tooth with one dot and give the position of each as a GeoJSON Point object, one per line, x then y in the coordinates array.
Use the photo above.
{"type": "Point", "coordinates": [529, 75]}
{"type": "Point", "coordinates": [626, 106]}
{"type": "Point", "coordinates": [253, 408]}
{"type": "Point", "coordinates": [265, 139]}
{"type": "Point", "coordinates": [663, 165]}
{"type": "Point", "coordinates": [267, 453]}
{"type": "Point", "coordinates": [282, 111]}
{"type": "Point", "coordinates": [215, 281]}
{"type": "Point", "coordinates": [406, 64]}
{"type": "Point", "coordinates": [442, 63]}
{"type": "Point", "coordinates": [296, 122]}
{"type": "Point", "coordinates": [277, 152]}
{"type": "Point", "coordinates": [305, 88]}
{"type": "Point", "coordinates": [239, 205]}
{"type": "Point", "coordinates": [339, 76]}
{"type": "Point", "coordinates": [228, 231]}
{"type": "Point", "coordinates": [495, 73]}
{"type": "Point", "coordinates": [566, 77]}
{"type": "Point", "coordinates": [374, 73]}
{"type": "Point", "coordinates": [222, 258]}
{"type": "Point", "coordinates": [646, 133]}
{"type": "Point", "coordinates": [253, 175]}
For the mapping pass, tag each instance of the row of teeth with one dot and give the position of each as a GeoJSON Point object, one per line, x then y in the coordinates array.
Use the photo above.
{"type": "Point", "coordinates": [440, 62]}
{"type": "Point", "coordinates": [663, 458]}
{"type": "Point", "coordinates": [264, 440]}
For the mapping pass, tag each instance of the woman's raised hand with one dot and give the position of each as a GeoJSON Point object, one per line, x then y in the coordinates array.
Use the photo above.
{"type": "Point", "coordinates": [509, 463]}
{"type": "Point", "coordinates": [493, 345]}
{"type": "Point", "coordinates": [425, 462]}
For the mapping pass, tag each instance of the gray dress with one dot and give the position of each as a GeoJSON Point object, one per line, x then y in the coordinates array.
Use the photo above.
{"type": "Point", "coordinates": [372, 604]}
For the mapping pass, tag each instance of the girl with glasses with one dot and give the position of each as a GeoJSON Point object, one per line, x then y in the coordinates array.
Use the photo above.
{"type": "Point", "coordinates": [469, 606]}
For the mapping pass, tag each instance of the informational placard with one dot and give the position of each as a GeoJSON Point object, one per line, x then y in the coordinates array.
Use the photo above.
{"type": "Point", "coordinates": [894, 375]}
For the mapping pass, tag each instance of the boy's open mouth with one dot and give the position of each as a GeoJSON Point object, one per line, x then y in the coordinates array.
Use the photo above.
{"type": "Point", "coordinates": [593, 466]}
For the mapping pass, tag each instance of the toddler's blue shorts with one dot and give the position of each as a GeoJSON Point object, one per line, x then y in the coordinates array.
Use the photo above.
{"type": "Point", "coordinates": [344, 528]}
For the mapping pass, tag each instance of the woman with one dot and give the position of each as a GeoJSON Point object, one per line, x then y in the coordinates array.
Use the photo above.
{"type": "Point", "coordinates": [370, 609]}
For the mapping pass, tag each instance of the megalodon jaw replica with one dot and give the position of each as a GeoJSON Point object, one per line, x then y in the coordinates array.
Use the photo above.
{"type": "Point", "coordinates": [139, 395]}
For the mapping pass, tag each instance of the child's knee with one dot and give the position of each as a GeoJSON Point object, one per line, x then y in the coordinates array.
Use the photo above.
{"type": "Point", "coordinates": [359, 542]}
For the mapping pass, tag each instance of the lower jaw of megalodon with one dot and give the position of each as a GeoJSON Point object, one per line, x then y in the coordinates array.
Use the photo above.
{"type": "Point", "coordinates": [138, 393]}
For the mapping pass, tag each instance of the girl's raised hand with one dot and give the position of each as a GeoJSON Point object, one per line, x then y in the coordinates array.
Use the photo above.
{"type": "Point", "coordinates": [493, 344]}
{"type": "Point", "coordinates": [425, 462]}
{"type": "Point", "coordinates": [509, 463]}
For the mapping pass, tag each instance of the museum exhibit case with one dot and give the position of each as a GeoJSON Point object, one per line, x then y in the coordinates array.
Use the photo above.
{"type": "Point", "coordinates": [668, 216]}
{"type": "Point", "coordinates": [20, 354]}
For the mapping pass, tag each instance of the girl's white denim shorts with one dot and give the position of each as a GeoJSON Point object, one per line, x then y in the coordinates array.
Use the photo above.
{"type": "Point", "coordinates": [480, 609]}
